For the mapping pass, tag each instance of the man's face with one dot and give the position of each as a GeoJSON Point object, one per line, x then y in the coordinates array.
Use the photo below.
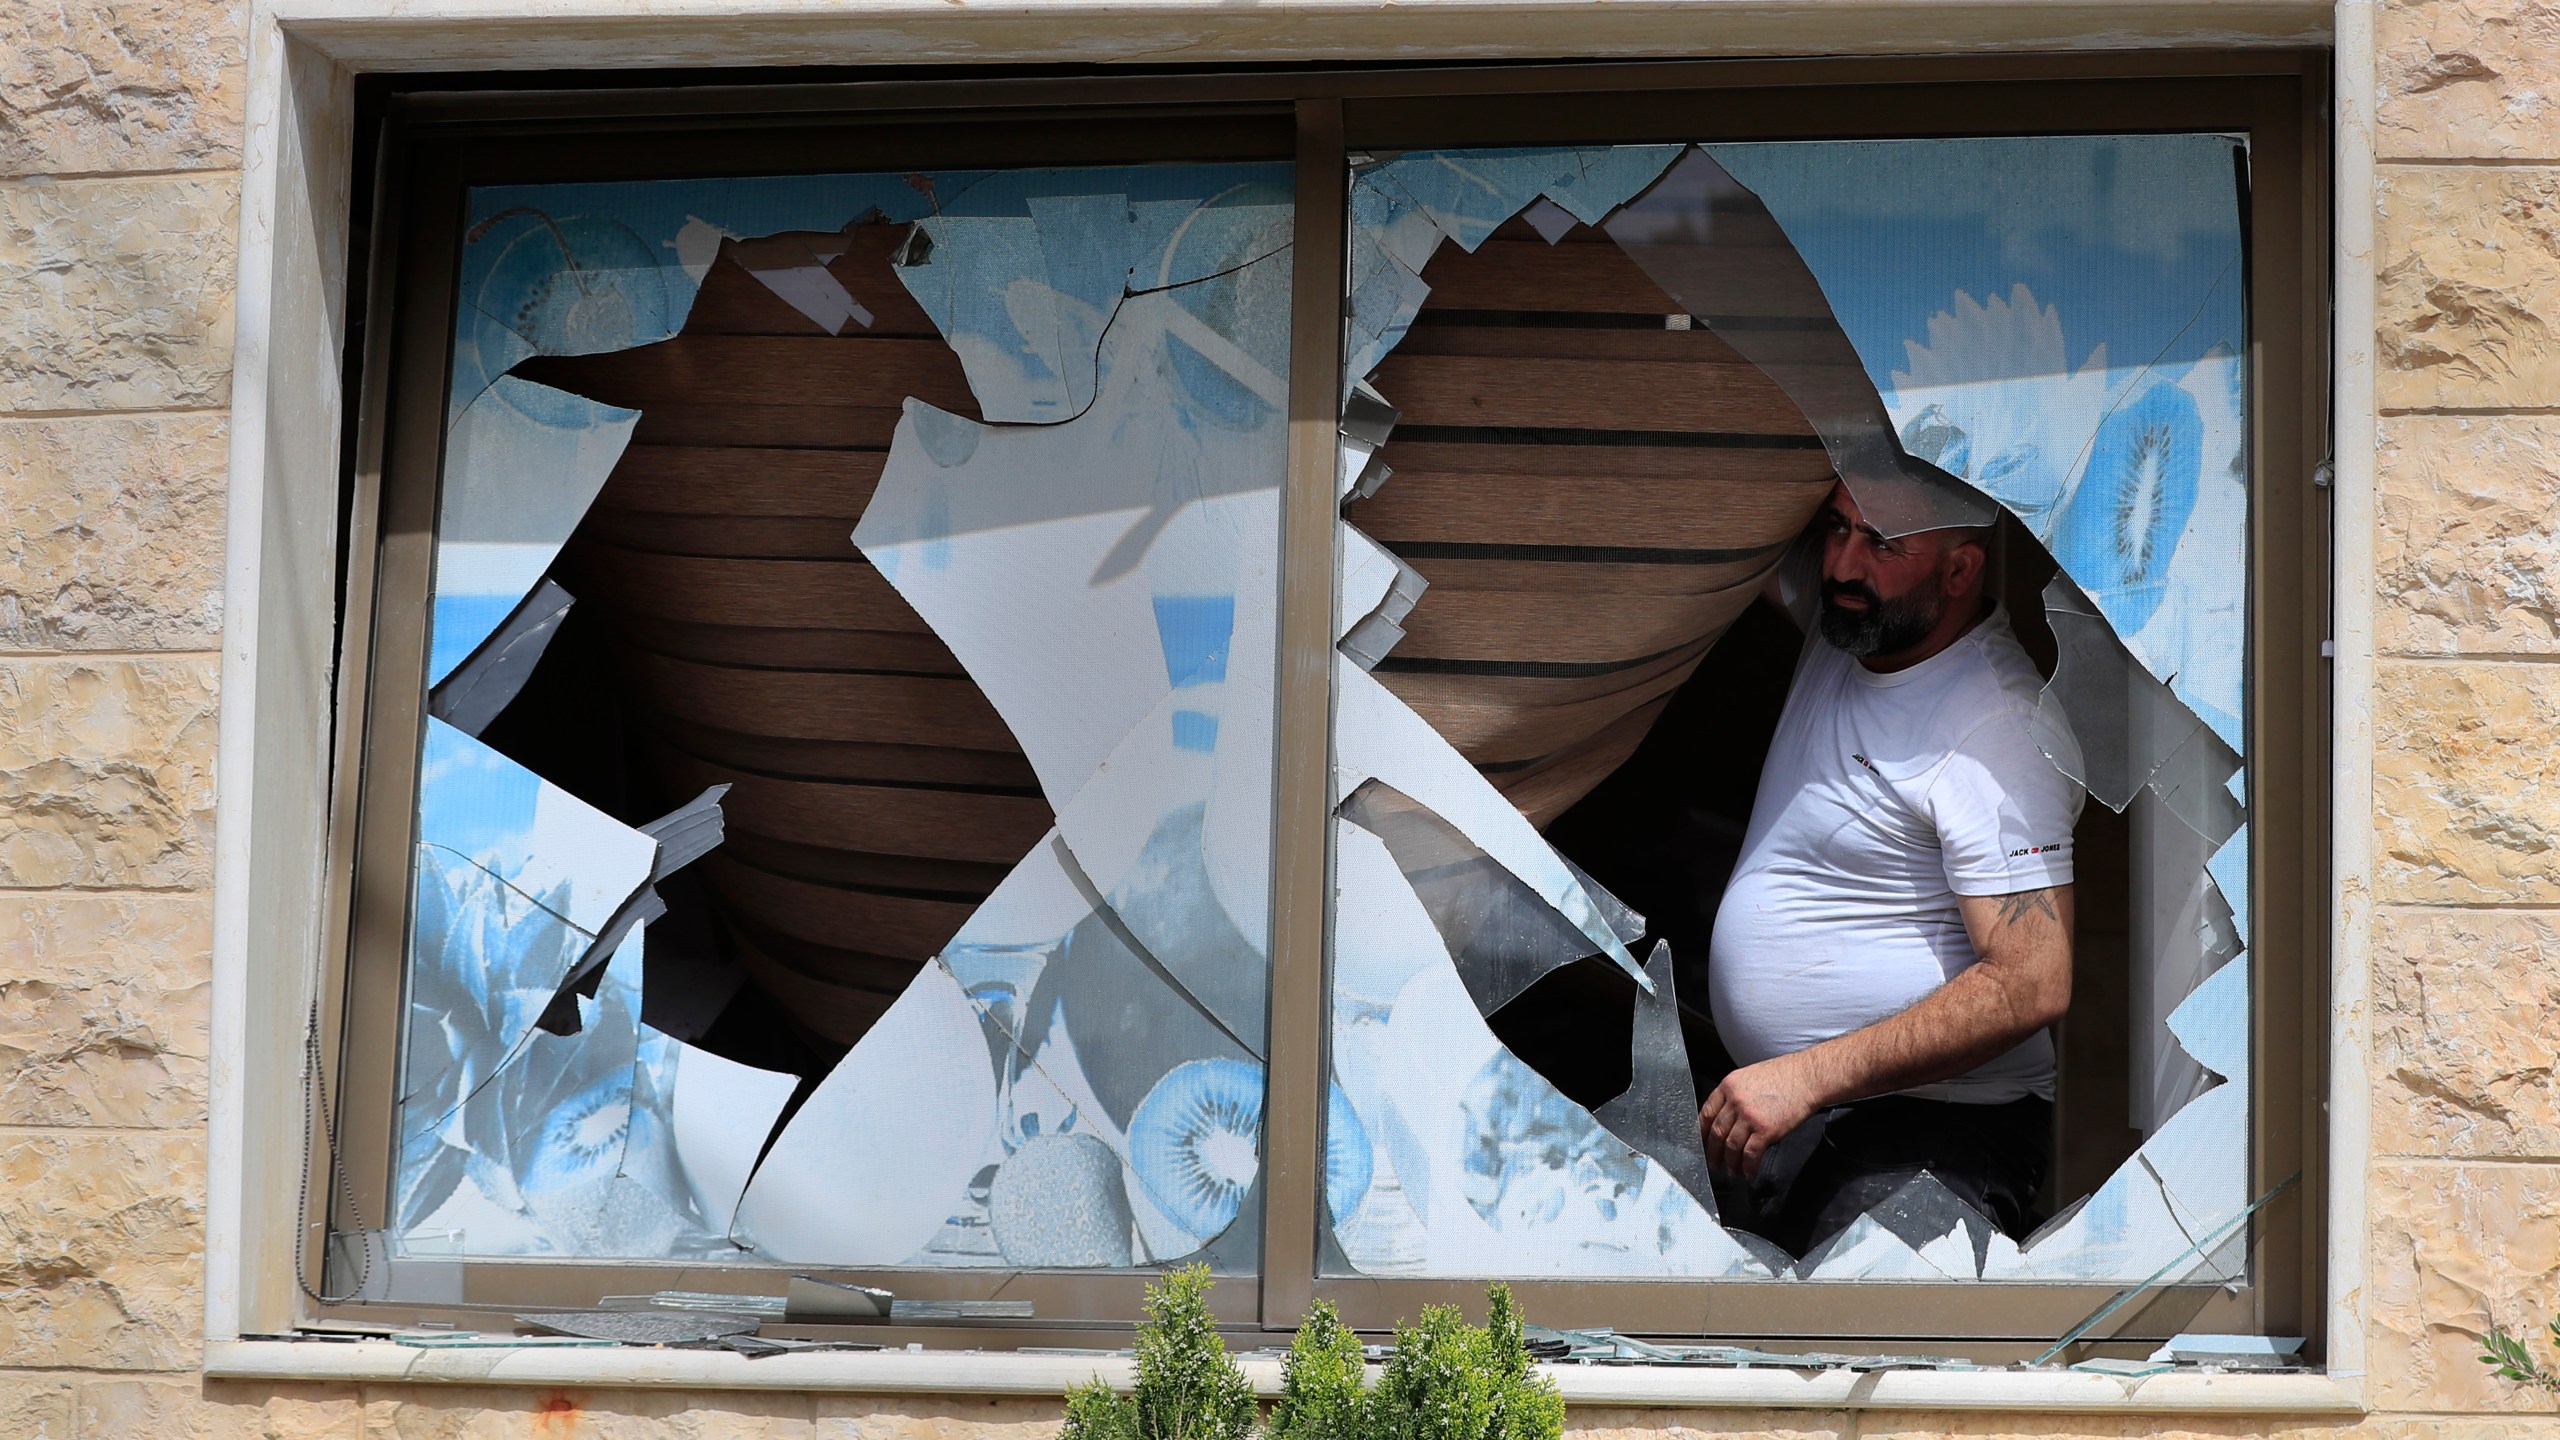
{"type": "Point", "coordinates": [1879, 596]}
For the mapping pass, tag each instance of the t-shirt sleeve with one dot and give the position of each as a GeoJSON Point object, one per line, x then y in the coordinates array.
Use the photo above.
{"type": "Point", "coordinates": [2004, 813]}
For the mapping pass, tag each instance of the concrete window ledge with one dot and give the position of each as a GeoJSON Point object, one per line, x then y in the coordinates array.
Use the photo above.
{"type": "Point", "coordinates": [965, 1373]}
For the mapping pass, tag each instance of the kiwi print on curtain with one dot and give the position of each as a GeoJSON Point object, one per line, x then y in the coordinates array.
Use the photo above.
{"type": "Point", "coordinates": [844, 827]}
{"type": "Point", "coordinates": [1593, 396]}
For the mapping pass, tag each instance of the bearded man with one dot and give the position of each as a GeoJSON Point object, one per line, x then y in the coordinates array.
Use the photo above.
{"type": "Point", "coordinates": [1895, 943]}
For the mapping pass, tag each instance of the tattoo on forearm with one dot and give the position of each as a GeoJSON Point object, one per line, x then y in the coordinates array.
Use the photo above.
{"type": "Point", "coordinates": [2017, 907]}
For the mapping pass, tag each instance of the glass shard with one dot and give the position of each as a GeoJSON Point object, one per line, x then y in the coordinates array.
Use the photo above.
{"type": "Point", "coordinates": [2230, 870]}
{"type": "Point", "coordinates": [1714, 247]}
{"type": "Point", "coordinates": [1402, 208]}
{"type": "Point", "coordinates": [869, 1166]}
{"type": "Point", "coordinates": [522, 464]}
{"type": "Point", "coordinates": [1378, 736]}
{"type": "Point", "coordinates": [1477, 1164]}
{"type": "Point", "coordinates": [2107, 723]}
{"type": "Point", "coordinates": [1936, 1222]}
{"type": "Point", "coordinates": [1866, 1250]}
{"type": "Point", "coordinates": [475, 691]}
{"type": "Point", "coordinates": [1659, 1113]}
{"type": "Point", "coordinates": [1503, 935]}
{"type": "Point", "coordinates": [794, 268]}
{"type": "Point", "coordinates": [682, 836]}
{"type": "Point", "coordinates": [719, 1115]}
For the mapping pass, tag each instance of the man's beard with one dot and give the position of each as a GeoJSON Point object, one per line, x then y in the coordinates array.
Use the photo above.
{"type": "Point", "coordinates": [1885, 627]}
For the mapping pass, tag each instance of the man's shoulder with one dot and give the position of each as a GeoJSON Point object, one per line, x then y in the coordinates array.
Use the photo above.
{"type": "Point", "coordinates": [1985, 680]}
{"type": "Point", "coordinates": [1997, 677]}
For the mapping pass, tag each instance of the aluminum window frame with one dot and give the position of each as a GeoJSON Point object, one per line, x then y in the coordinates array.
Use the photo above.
{"type": "Point", "coordinates": [435, 142]}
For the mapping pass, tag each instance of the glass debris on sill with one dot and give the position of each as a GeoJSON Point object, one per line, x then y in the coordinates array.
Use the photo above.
{"type": "Point", "coordinates": [2124, 1369]}
{"type": "Point", "coordinates": [769, 1307]}
{"type": "Point", "coordinates": [642, 1327]}
{"type": "Point", "coordinates": [2233, 1352]}
{"type": "Point", "coordinates": [923, 1310]}
{"type": "Point", "coordinates": [811, 1300]}
{"type": "Point", "coordinates": [1608, 1347]}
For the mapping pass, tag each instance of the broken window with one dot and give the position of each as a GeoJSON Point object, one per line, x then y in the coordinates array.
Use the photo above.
{"type": "Point", "coordinates": [923, 527]}
{"type": "Point", "coordinates": [1594, 396]}
{"type": "Point", "coordinates": [821, 771]}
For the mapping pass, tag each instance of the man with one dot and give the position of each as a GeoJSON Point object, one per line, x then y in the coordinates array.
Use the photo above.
{"type": "Point", "coordinates": [1896, 938]}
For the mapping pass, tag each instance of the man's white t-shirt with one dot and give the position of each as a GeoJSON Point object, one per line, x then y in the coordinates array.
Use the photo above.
{"type": "Point", "coordinates": [1884, 798]}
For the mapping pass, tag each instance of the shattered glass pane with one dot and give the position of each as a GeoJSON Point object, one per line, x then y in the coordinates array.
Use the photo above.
{"type": "Point", "coordinates": [2046, 327]}
{"type": "Point", "coordinates": [1057, 444]}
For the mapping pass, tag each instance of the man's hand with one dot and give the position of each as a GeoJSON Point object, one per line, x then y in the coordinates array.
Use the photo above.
{"type": "Point", "coordinates": [2020, 984]}
{"type": "Point", "coordinates": [1755, 1108]}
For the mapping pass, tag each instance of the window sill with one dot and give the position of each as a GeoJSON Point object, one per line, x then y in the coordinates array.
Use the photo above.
{"type": "Point", "coordinates": [974, 1373]}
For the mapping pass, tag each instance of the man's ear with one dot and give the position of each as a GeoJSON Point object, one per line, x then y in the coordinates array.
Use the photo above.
{"type": "Point", "coordinates": [1960, 567]}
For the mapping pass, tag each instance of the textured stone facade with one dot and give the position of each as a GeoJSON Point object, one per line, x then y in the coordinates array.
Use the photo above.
{"type": "Point", "coordinates": [120, 140]}
{"type": "Point", "coordinates": [2463, 1208]}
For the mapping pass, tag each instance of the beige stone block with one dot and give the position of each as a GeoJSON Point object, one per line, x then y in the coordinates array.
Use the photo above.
{"type": "Point", "coordinates": [2008, 1425]}
{"type": "Point", "coordinates": [104, 1237]}
{"type": "Point", "coordinates": [104, 1009]}
{"type": "Point", "coordinates": [2469, 309]}
{"type": "Point", "coordinates": [217, 1410]}
{"type": "Point", "coordinates": [96, 85]}
{"type": "Point", "coordinates": [2462, 1427]}
{"type": "Point", "coordinates": [115, 536]}
{"type": "Point", "coordinates": [106, 772]}
{"type": "Point", "coordinates": [2454, 1249]}
{"type": "Point", "coordinates": [439, 1412]}
{"type": "Point", "coordinates": [955, 1417]}
{"type": "Point", "coordinates": [116, 294]}
{"type": "Point", "coordinates": [2462, 78]}
{"type": "Point", "coordinates": [1611, 1422]}
{"type": "Point", "coordinates": [36, 1407]}
{"type": "Point", "coordinates": [2467, 783]}
{"type": "Point", "coordinates": [2463, 1045]}
{"type": "Point", "coordinates": [2468, 555]}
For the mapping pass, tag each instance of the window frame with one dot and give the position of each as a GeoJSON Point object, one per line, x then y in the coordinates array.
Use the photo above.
{"type": "Point", "coordinates": [434, 144]}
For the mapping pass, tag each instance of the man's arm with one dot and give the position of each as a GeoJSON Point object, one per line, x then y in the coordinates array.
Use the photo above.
{"type": "Point", "coordinates": [2021, 984]}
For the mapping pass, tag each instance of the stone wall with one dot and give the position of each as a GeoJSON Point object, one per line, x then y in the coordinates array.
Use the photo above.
{"type": "Point", "coordinates": [120, 135]}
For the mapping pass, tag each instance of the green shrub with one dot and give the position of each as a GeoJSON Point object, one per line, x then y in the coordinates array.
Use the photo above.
{"type": "Point", "coordinates": [1526, 1404]}
{"type": "Point", "coordinates": [1188, 1388]}
{"type": "Point", "coordinates": [1441, 1383]}
{"type": "Point", "coordinates": [1322, 1381]}
{"type": "Point", "coordinates": [1448, 1381]}
{"type": "Point", "coordinates": [1097, 1412]}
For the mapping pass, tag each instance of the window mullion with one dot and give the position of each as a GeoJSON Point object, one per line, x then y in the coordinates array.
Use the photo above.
{"type": "Point", "coordinates": [1293, 1143]}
